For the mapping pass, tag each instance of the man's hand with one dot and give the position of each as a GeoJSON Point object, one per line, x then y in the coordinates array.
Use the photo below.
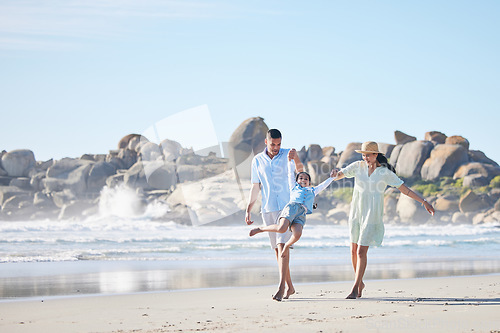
{"type": "Point", "coordinates": [248, 218]}
{"type": "Point", "coordinates": [292, 154]}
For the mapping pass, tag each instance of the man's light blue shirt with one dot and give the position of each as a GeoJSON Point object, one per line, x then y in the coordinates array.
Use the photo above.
{"type": "Point", "coordinates": [272, 174]}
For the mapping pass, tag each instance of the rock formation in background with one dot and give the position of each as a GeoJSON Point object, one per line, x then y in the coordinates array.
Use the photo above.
{"type": "Point", "coordinates": [462, 184]}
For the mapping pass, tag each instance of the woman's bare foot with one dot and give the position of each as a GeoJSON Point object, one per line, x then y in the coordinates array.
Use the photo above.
{"type": "Point", "coordinates": [255, 231]}
{"type": "Point", "coordinates": [278, 296]}
{"type": "Point", "coordinates": [360, 290]}
{"type": "Point", "coordinates": [352, 295]}
{"type": "Point", "coordinates": [289, 293]}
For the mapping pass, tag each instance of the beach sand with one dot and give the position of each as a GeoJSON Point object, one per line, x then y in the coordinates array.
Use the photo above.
{"type": "Point", "coordinates": [448, 304]}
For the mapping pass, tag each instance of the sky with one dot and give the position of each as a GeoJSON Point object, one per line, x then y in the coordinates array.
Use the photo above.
{"type": "Point", "coordinates": [76, 76]}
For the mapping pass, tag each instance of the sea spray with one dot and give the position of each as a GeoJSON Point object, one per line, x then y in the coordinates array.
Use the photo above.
{"type": "Point", "coordinates": [120, 201]}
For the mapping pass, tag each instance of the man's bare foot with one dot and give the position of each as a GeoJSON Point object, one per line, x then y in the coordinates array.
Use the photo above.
{"type": "Point", "coordinates": [289, 293]}
{"type": "Point", "coordinates": [255, 231]}
{"type": "Point", "coordinates": [278, 296]}
{"type": "Point", "coordinates": [360, 290]}
{"type": "Point", "coordinates": [352, 295]}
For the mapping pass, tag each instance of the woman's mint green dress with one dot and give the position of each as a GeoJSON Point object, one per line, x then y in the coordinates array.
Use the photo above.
{"type": "Point", "coordinates": [367, 206]}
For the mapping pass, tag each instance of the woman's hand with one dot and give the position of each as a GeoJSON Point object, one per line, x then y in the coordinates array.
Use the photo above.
{"type": "Point", "coordinates": [428, 207]}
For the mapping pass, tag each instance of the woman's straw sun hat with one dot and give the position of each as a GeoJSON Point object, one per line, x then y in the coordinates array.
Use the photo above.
{"type": "Point", "coordinates": [369, 147]}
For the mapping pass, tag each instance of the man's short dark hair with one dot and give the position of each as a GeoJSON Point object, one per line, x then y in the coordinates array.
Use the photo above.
{"type": "Point", "coordinates": [273, 133]}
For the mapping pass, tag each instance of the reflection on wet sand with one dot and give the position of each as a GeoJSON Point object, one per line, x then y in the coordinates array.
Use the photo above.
{"type": "Point", "coordinates": [145, 280]}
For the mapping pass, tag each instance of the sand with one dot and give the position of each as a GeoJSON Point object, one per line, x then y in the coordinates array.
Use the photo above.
{"type": "Point", "coordinates": [449, 304]}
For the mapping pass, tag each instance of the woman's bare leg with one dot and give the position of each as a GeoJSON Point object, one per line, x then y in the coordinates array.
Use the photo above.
{"type": "Point", "coordinates": [360, 268]}
{"type": "Point", "coordinates": [354, 259]}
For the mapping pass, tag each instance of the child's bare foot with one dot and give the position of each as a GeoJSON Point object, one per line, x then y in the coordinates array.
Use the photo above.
{"type": "Point", "coordinates": [360, 290]}
{"type": "Point", "coordinates": [352, 295]}
{"type": "Point", "coordinates": [289, 293]}
{"type": "Point", "coordinates": [255, 231]}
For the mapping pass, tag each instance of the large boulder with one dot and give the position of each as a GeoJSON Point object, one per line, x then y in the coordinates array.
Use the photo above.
{"type": "Point", "coordinates": [98, 175]}
{"type": "Point", "coordinates": [171, 150]}
{"type": "Point", "coordinates": [125, 141]}
{"type": "Point", "coordinates": [150, 152]}
{"type": "Point", "coordinates": [349, 154]}
{"type": "Point", "coordinates": [151, 175]}
{"type": "Point", "coordinates": [444, 160]}
{"type": "Point", "coordinates": [7, 192]}
{"type": "Point", "coordinates": [486, 170]}
{"type": "Point", "coordinates": [128, 157]}
{"type": "Point", "coordinates": [68, 174]}
{"type": "Point", "coordinates": [411, 211]}
{"type": "Point", "coordinates": [436, 137]}
{"type": "Point", "coordinates": [457, 140]}
{"type": "Point", "coordinates": [386, 149]}
{"type": "Point", "coordinates": [314, 152]}
{"type": "Point", "coordinates": [471, 202]}
{"type": "Point", "coordinates": [18, 163]}
{"type": "Point", "coordinates": [475, 180]}
{"type": "Point", "coordinates": [247, 140]}
{"type": "Point", "coordinates": [446, 203]}
{"type": "Point", "coordinates": [412, 157]}
{"type": "Point", "coordinates": [402, 138]}
{"type": "Point", "coordinates": [318, 170]}
{"type": "Point", "coordinates": [479, 156]}
{"type": "Point", "coordinates": [393, 159]}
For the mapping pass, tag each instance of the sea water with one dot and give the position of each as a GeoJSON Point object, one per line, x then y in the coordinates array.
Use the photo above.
{"type": "Point", "coordinates": [122, 250]}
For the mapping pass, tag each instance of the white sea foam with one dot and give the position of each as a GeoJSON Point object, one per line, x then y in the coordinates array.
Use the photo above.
{"type": "Point", "coordinates": [111, 237]}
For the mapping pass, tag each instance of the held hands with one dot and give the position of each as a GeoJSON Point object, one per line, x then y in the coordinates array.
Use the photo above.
{"type": "Point", "coordinates": [334, 173]}
{"type": "Point", "coordinates": [292, 154]}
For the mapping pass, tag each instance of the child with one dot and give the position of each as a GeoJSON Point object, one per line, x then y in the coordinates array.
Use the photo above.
{"type": "Point", "coordinates": [301, 203]}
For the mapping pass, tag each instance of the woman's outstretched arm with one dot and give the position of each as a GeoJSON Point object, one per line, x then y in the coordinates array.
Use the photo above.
{"type": "Point", "coordinates": [408, 192]}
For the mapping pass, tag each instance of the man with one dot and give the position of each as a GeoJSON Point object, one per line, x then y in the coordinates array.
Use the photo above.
{"type": "Point", "coordinates": [269, 175]}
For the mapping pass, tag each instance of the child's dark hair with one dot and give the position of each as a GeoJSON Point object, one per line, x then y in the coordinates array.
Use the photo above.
{"type": "Point", "coordinates": [384, 162]}
{"type": "Point", "coordinates": [304, 173]}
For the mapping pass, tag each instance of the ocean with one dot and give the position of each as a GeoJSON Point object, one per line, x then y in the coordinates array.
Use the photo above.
{"type": "Point", "coordinates": [112, 254]}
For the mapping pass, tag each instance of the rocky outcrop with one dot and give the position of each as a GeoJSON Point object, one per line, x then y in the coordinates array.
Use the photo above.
{"type": "Point", "coordinates": [247, 140]}
{"type": "Point", "coordinates": [410, 211]}
{"type": "Point", "coordinates": [435, 137]}
{"type": "Point", "coordinates": [471, 202]}
{"type": "Point", "coordinates": [18, 163]}
{"type": "Point", "coordinates": [488, 171]}
{"type": "Point", "coordinates": [203, 188]}
{"type": "Point", "coordinates": [402, 138]}
{"type": "Point", "coordinates": [444, 161]}
{"type": "Point", "coordinates": [411, 158]}
{"type": "Point", "coordinates": [349, 155]}
{"type": "Point", "coordinates": [457, 140]}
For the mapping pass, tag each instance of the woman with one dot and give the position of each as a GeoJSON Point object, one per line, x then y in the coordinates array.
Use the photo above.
{"type": "Point", "coordinates": [372, 175]}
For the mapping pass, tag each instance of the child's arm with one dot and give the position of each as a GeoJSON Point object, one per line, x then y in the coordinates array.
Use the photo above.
{"type": "Point", "coordinates": [291, 174]}
{"type": "Point", "coordinates": [318, 189]}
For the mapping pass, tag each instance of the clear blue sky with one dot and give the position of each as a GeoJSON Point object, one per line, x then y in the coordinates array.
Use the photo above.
{"type": "Point", "coordinates": [76, 76]}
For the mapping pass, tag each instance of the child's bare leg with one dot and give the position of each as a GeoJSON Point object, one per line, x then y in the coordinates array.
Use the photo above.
{"type": "Point", "coordinates": [296, 233]}
{"type": "Point", "coordinates": [281, 228]}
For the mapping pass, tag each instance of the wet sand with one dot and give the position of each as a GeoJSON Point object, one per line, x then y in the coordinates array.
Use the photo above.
{"type": "Point", "coordinates": [448, 304]}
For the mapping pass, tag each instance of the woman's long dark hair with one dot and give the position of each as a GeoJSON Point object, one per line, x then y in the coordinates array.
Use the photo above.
{"type": "Point", "coordinates": [384, 162]}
